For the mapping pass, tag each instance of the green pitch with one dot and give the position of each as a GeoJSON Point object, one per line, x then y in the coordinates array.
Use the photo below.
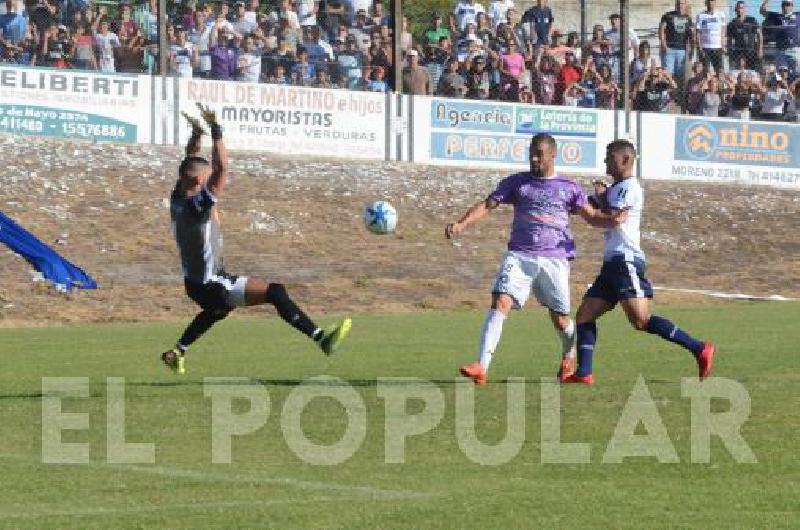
{"type": "Point", "coordinates": [267, 485]}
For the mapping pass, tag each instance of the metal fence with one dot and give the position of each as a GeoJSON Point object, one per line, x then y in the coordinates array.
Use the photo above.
{"type": "Point", "coordinates": [713, 61]}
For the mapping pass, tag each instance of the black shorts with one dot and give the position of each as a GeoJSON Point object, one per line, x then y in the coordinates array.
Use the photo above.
{"type": "Point", "coordinates": [223, 291]}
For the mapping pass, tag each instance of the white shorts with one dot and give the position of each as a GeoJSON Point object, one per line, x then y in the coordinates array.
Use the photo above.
{"type": "Point", "coordinates": [234, 288]}
{"type": "Point", "coordinates": [548, 278]}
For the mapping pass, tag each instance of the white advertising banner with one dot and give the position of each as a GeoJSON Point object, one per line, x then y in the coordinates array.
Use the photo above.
{"type": "Point", "coordinates": [291, 120]}
{"type": "Point", "coordinates": [720, 150]}
{"type": "Point", "coordinates": [75, 104]}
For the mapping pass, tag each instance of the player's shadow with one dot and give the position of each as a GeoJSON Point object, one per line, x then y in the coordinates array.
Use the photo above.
{"type": "Point", "coordinates": [388, 381]}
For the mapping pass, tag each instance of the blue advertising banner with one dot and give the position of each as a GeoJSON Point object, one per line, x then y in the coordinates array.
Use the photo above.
{"type": "Point", "coordinates": [740, 143]}
{"type": "Point", "coordinates": [499, 132]}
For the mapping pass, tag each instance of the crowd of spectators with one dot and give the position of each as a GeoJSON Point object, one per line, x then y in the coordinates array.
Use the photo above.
{"type": "Point", "coordinates": [706, 63]}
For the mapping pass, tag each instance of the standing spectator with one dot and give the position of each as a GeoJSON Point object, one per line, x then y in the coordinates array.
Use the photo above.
{"type": "Point", "coordinates": [306, 71]}
{"type": "Point", "coordinates": [641, 63]}
{"type": "Point", "coordinates": [710, 29]}
{"type": "Point", "coordinates": [452, 84]}
{"type": "Point", "coordinates": [126, 26]}
{"type": "Point", "coordinates": [787, 33]}
{"type": "Point", "coordinates": [675, 40]}
{"type": "Point", "coordinates": [775, 98]}
{"type": "Point", "coordinates": [538, 21]}
{"type": "Point", "coordinates": [378, 17]}
{"type": "Point", "coordinates": [42, 14]}
{"type": "Point", "coordinates": [184, 56]}
{"type": "Point", "coordinates": [318, 50]}
{"type": "Point", "coordinates": [106, 42]}
{"type": "Point", "coordinates": [484, 31]}
{"type": "Point", "coordinates": [331, 14]}
{"type": "Point", "coordinates": [288, 13]}
{"type": "Point", "coordinates": [435, 60]}
{"type": "Point", "coordinates": [607, 93]}
{"type": "Point", "coordinates": [146, 17]}
{"type": "Point", "coordinates": [695, 88]}
{"type": "Point", "coordinates": [307, 12]}
{"type": "Point", "coordinates": [12, 25]}
{"type": "Point", "coordinates": [406, 39]}
{"type": "Point", "coordinates": [544, 76]}
{"type": "Point", "coordinates": [614, 38]}
{"type": "Point", "coordinates": [83, 50]}
{"type": "Point", "coordinates": [498, 10]}
{"type": "Point", "coordinates": [243, 24]}
{"type": "Point", "coordinates": [465, 12]}
{"type": "Point", "coordinates": [744, 39]}
{"type": "Point", "coordinates": [570, 74]}
{"type": "Point", "coordinates": [478, 80]}
{"type": "Point", "coordinates": [350, 62]}
{"type": "Point", "coordinates": [572, 45]}
{"type": "Point", "coordinates": [416, 79]}
{"type": "Point", "coordinates": [224, 56]}
{"type": "Point", "coordinates": [55, 47]}
{"type": "Point", "coordinates": [436, 31]}
{"type": "Point", "coordinates": [131, 55]}
{"type": "Point", "coordinates": [200, 36]}
{"type": "Point", "coordinates": [599, 48]}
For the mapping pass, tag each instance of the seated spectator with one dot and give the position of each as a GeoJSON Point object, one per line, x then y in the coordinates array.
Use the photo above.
{"type": "Point", "coordinates": [332, 15]}
{"type": "Point", "coordinates": [278, 76]}
{"type": "Point", "coordinates": [775, 98]}
{"type": "Point", "coordinates": [324, 79]}
{"type": "Point", "coordinates": [653, 92]}
{"type": "Point", "coordinates": [478, 80]}
{"type": "Point", "coordinates": [712, 98]}
{"type": "Point", "coordinates": [452, 84]}
{"type": "Point", "coordinates": [742, 103]}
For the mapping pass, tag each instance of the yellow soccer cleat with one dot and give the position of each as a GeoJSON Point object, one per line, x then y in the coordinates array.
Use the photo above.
{"type": "Point", "coordinates": [333, 339]}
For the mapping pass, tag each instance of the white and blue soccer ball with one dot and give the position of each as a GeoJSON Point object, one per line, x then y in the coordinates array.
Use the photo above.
{"type": "Point", "coordinates": [380, 217]}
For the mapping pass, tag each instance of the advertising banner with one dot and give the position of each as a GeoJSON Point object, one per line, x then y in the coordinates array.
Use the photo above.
{"type": "Point", "coordinates": [74, 104]}
{"type": "Point", "coordinates": [720, 150]}
{"type": "Point", "coordinates": [291, 120]}
{"type": "Point", "coordinates": [493, 132]}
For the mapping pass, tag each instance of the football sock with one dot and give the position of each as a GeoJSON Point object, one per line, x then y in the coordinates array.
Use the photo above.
{"type": "Point", "coordinates": [665, 329]}
{"type": "Point", "coordinates": [490, 336]}
{"type": "Point", "coordinates": [288, 311]}
{"type": "Point", "coordinates": [567, 336]}
{"type": "Point", "coordinates": [201, 323]}
{"type": "Point", "coordinates": [587, 338]}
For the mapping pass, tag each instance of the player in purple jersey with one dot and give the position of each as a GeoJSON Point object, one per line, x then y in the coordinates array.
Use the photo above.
{"type": "Point", "coordinates": [196, 227]}
{"type": "Point", "coordinates": [540, 248]}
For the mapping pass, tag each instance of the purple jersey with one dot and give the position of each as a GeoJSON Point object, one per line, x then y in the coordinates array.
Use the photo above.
{"type": "Point", "coordinates": [541, 213]}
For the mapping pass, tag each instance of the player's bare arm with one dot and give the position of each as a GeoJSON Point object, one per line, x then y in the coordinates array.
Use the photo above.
{"type": "Point", "coordinates": [219, 154]}
{"type": "Point", "coordinates": [193, 145]}
{"type": "Point", "coordinates": [478, 211]}
{"type": "Point", "coordinates": [600, 219]}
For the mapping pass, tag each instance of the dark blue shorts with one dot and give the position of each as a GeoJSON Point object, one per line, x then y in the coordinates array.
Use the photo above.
{"type": "Point", "coordinates": [621, 279]}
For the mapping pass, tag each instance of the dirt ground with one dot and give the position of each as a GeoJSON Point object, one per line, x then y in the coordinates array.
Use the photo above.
{"type": "Point", "coordinates": [299, 222]}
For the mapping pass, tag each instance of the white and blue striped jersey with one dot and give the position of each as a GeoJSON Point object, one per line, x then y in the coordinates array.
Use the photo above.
{"type": "Point", "coordinates": [625, 239]}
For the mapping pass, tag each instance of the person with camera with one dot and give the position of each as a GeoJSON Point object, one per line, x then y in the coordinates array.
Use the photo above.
{"type": "Point", "coordinates": [775, 97]}
{"type": "Point", "coordinates": [654, 91]}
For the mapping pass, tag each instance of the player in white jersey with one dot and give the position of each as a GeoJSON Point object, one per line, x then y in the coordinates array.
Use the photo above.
{"type": "Point", "coordinates": [196, 227]}
{"type": "Point", "coordinates": [622, 277]}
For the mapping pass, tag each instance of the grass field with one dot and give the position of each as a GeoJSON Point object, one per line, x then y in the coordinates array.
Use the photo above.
{"type": "Point", "coordinates": [267, 485]}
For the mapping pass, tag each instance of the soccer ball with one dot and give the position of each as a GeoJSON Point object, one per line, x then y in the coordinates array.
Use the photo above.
{"type": "Point", "coordinates": [380, 217]}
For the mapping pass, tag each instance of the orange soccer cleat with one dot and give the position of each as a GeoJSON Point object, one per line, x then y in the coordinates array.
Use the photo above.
{"type": "Point", "coordinates": [475, 372]}
{"type": "Point", "coordinates": [567, 368]}
{"type": "Point", "coordinates": [583, 379]}
{"type": "Point", "coordinates": [705, 359]}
